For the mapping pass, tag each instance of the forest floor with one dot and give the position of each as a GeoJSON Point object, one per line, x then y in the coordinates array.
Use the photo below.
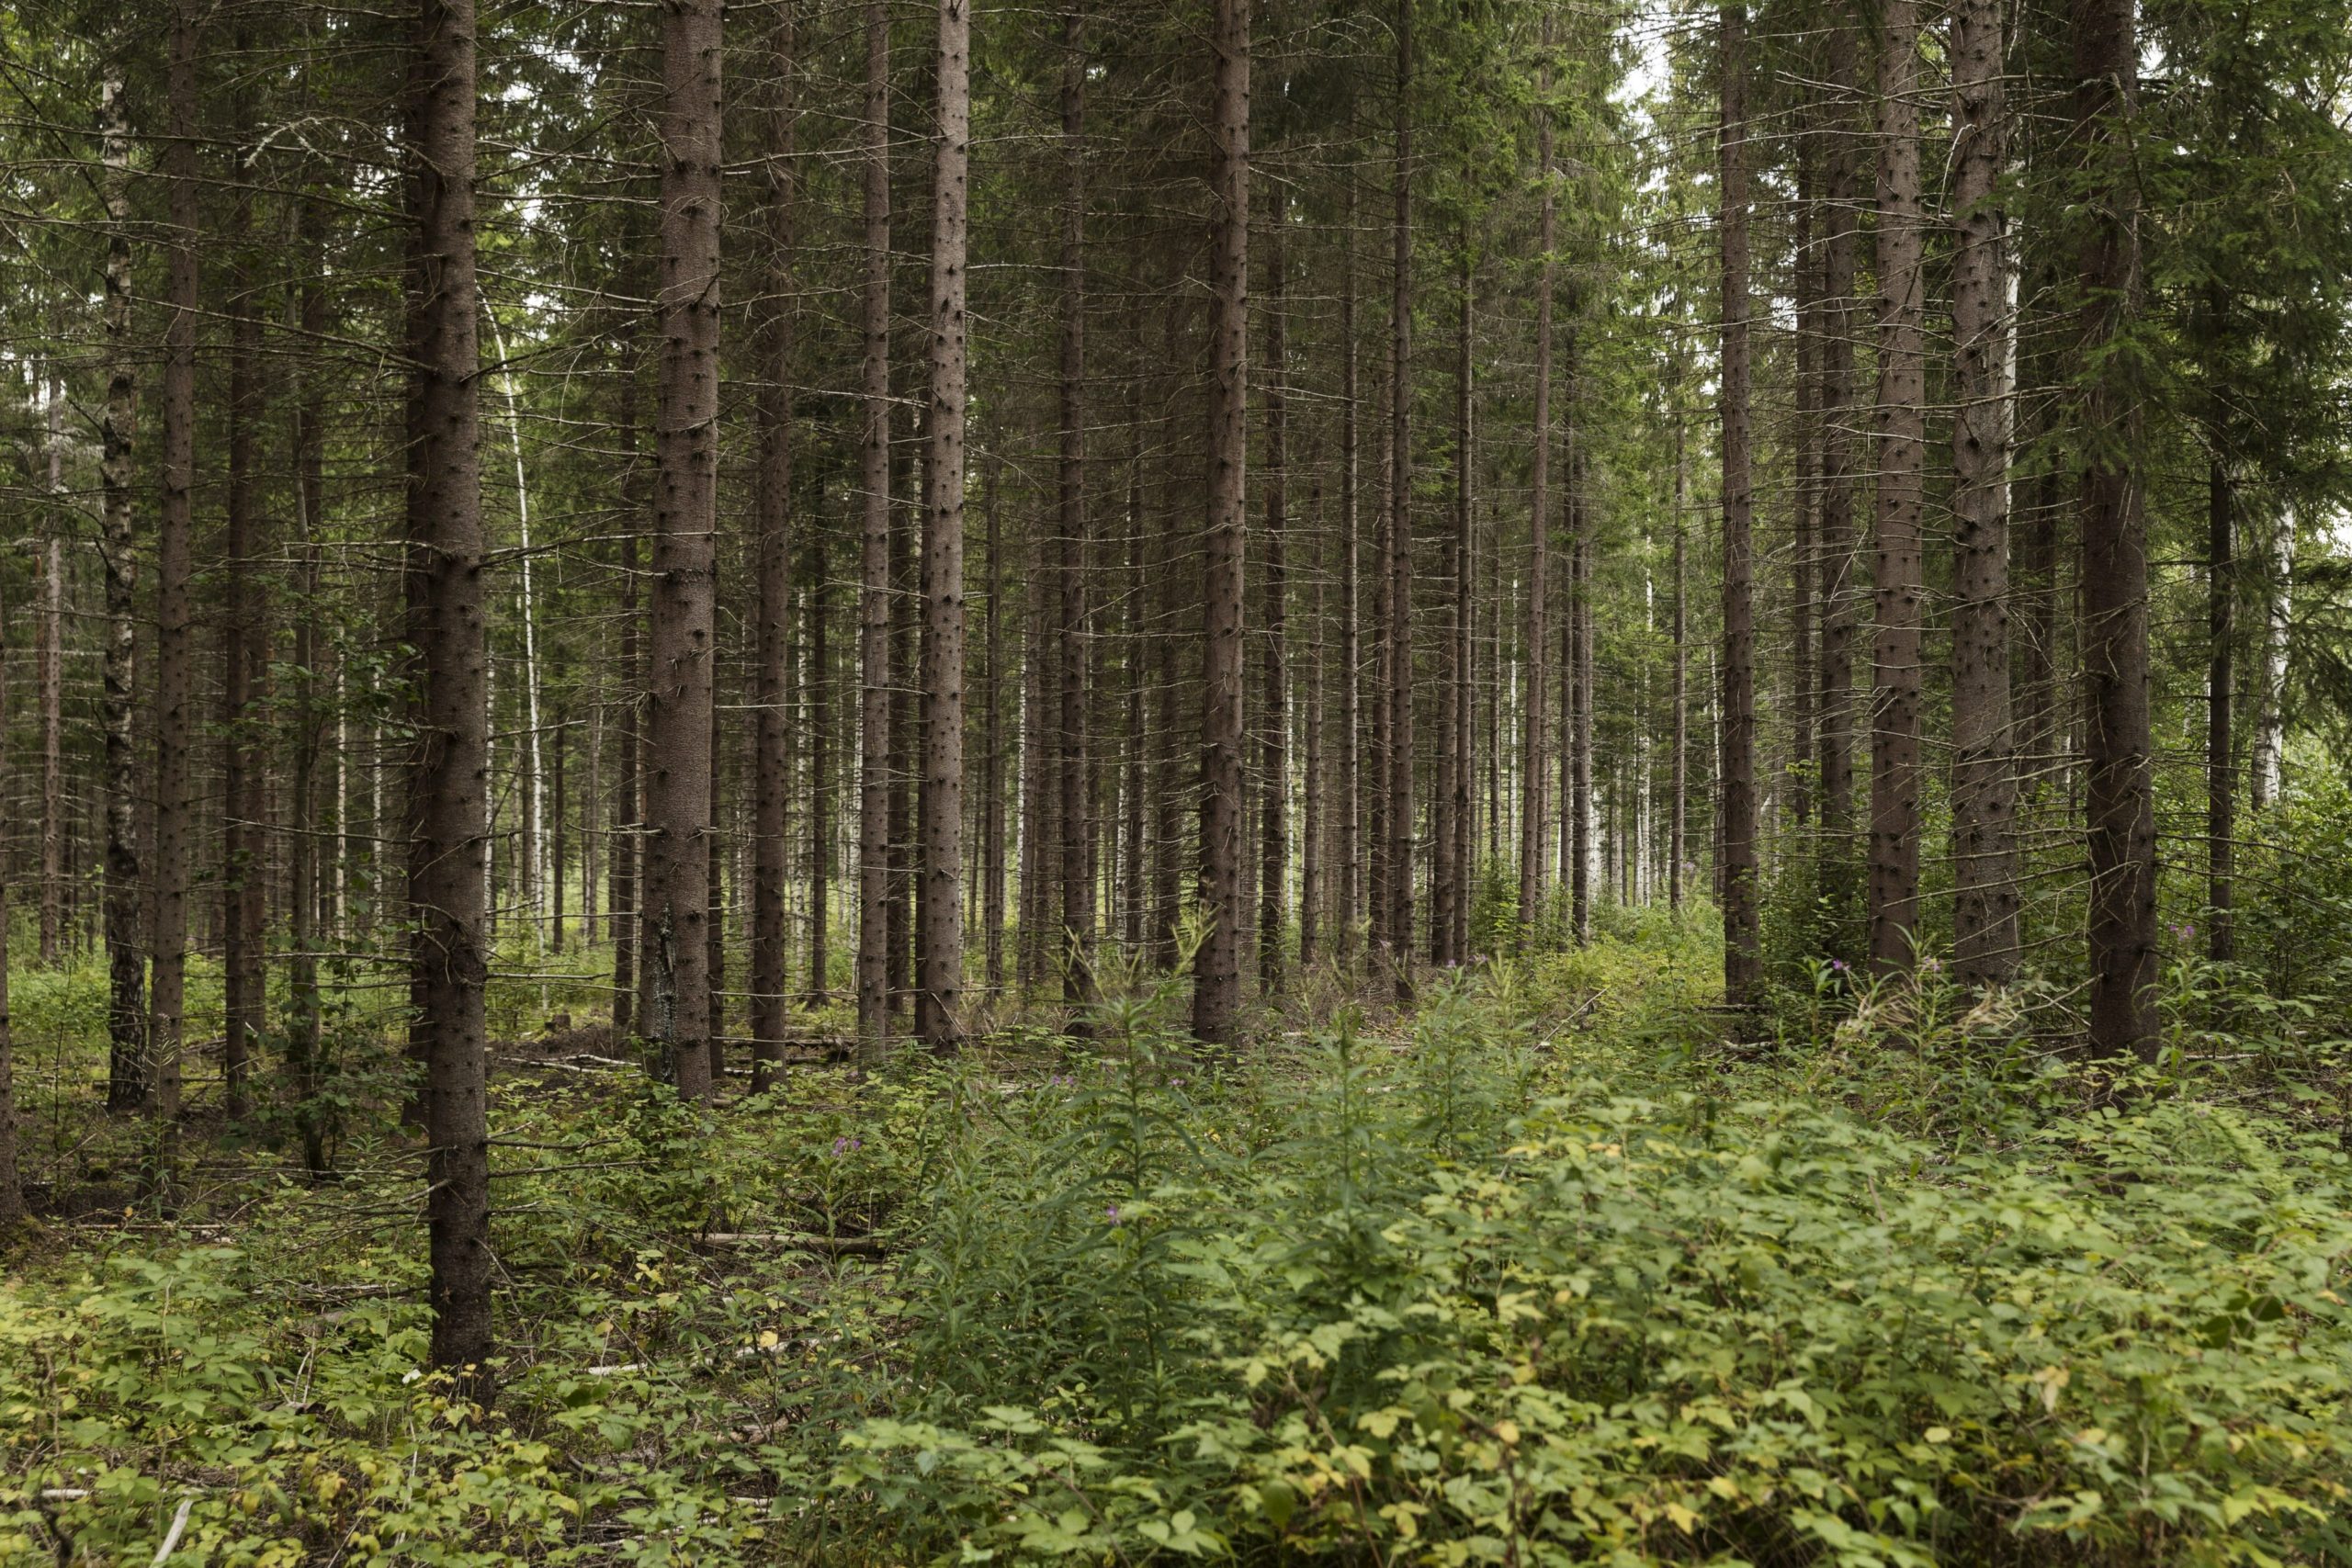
{"type": "Point", "coordinates": [1543, 1272]}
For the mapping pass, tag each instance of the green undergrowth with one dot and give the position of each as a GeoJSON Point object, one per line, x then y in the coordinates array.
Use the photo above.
{"type": "Point", "coordinates": [1544, 1273]}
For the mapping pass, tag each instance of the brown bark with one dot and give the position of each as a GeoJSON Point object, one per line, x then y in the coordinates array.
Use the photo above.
{"type": "Point", "coordinates": [824, 691]}
{"type": "Point", "coordinates": [1983, 785]}
{"type": "Point", "coordinates": [175, 527]}
{"type": "Point", "coordinates": [1580, 837]}
{"type": "Point", "coordinates": [1075, 951]}
{"type": "Point", "coordinates": [992, 846]}
{"type": "Point", "coordinates": [128, 1070]}
{"type": "Point", "coordinates": [1743, 951]}
{"type": "Point", "coordinates": [1902, 449]}
{"type": "Point", "coordinates": [2118, 744]}
{"type": "Point", "coordinates": [1313, 873]}
{"type": "Point", "coordinates": [2220, 682]}
{"type": "Point", "coordinates": [1533, 805]}
{"type": "Point", "coordinates": [1399, 627]}
{"type": "Point", "coordinates": [1804, 349]}
{"type": "Point", "coordinates": [772, 777]}
{"type": "Point", "coordinates": [627, 819]}
{"type": "Point", "coordinates": [1036, 700]}
{"type": "Point", "coordinates": [559, 742]}
{"type": "Point", "coordinates": [874, 597]}
{"type": "Point", "coordinates": [1840, 603]}
{"type": "Point", "coordinates": [12, 1193]}
{"type": "Point", "coordinates": [684, 574]}
{"type": "Point", "coordinates": [50, 666]}
{"type": "Point", "coordinates": [1349, 906]}
{"type": "Point", "coordinates": [1449, 803]}
{"type": "Point", "coordinates": [939, 968]}
{"type": "Point", "coordinates": [1680, 766]}
{"type": "Point", "coordinates": [1216, 977]}
{"type": "Point", "coordinates": [243, 659]}
{"type": "Point", "coordinates": [1273, 694]}
{"type": "Point", "coordinates": [308, 891]}
{"type": "Point", "coordinates": [448, 772]}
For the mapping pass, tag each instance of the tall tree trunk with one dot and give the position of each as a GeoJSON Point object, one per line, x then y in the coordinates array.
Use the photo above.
{"type": "Point", "coordinates": [685, 569]}
{"type": "Point", "coordinates": [992, 856]}
{"type": "Point", "coordinates": [243, 658]}
{"type": "Point", "coordinates": [1217, 974]}
{"type": "Point", "coordinates": [2263, 773]}
{"type": "Point", "coordinates": [824, 706]}
{"type": "Point", "coordinates": [174, 537]}
{"type": "Point", "coordinates": [1902, 450]}
{"type": "Point", "coordinates": [127, 1064]}
{"type": "Point", "coordinates": [1840, 602]}
{"type": "Point", "coordinates": [627, 820]}
{"type": "Point", "coordinates": [1678, 848]}
{"type": "Point", "coordinates": [1035, 699]}
{"type": "Point", "coordinates": [449, 770]}
{"type": "Point", "coordinates": [1804, 348]}
{"type": "Point", "coordinates": [939, 971]}
{"type": "Point", "coordinates": [51, 666]}
{"type": "Point", "coordinates": [2221, 680]}
{"type": "Point", "coordinates": [12, 1191]}
{"type": "Point", "coordinates": [1076, 949]}
{"type": "Point", "coordinates": [772, 776]}
{"type": "Point", "coordinates": [303, 1025]}
{"type": "Point", "coordinates": [715, 890]}
{"type": "Point", "coordinates": [1578, 656]}
{"type": "Point", "coordinates": [1743, 946]}
{"type": "Point", "coordinates": [874, 595]}
{"type": "Point", "coordinates": [1451, 799]}
{"type": "Point", "coordinates": [1400, 629]}
{"type": "Point", "coordinates": [558, 739]}
{"type": "Point", "coordinates": [1533, 805]}
{"type": "Point", "coordinates": [1314, 871]}
{"type": "Point", "coordinates": [1983, 789]}
{"type": "Point", "coordinates": [1349, 906]}
{"type": "Point", "coordinates": [1465, 578]}
{"type": "Point", "coordinates": [2121, 796]}
{"type": "Point", "coordinates": [1273, 696]}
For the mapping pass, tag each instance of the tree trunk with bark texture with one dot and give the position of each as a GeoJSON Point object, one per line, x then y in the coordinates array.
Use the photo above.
{"type": "Point", "coordinates": [2119, 742]}
{"type": "Point", "coordinates": [448, 774]}
{"type": "Point", "coordinates": [1840, 603]}
{"type": "Point", "coordinates": [1217, 983]}
{"type": "Point", "coordinates": [244, 660]}
{"type": "Point", "coordinates": [1902, 452]}
{"type": "Point", "coordinates": [1533, 805]}
{"type": "Point", "coordinates": [686, 567]}
{"type": "Point", "coordinates": [1400, 629]}
{"type": "Point", "coordinates": [50, 663]}
{"type": "Point", "coordinates": [1273, 695]}
{"type": "Point", "coordinates": [874, 595]}
{"type": "Point", "coordinates": [939, 968]}
{"type": "Point", "coordinates": [12, 1193]}
{"type": "Point", "coordinates": [1984, 788]}
{"type": "Point", "coordinates": [1075, 951]}
{"type": "Point", "coordinates": [772, 776]}
{"type": "Point", "coordinates": [303, 1024]}
{"type": "Point", "coordinates": [1743, 947]}
{"type": "Point", "coordinates": [1347, 907]}
{"type": "Point", "coordinates": [1450, 787]}
{"type": "Point", "coordinates": [128, 1070]}
{"type": "Point", "coordinates": [2220, 681]}
{"type": "Point", "coordinates": [174, 537]}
